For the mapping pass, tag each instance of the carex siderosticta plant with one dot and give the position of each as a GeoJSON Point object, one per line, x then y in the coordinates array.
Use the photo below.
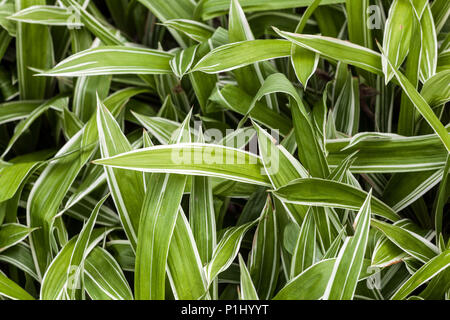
{"type": "Point", "coordinates": [224, 149]}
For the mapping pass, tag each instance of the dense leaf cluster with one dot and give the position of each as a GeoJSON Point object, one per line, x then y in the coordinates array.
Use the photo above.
{"type": "Point", "coordinates": [224, 149]}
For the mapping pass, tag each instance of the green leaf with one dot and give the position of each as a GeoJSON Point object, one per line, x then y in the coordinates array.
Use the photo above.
{"type": "Point", "coordinates": [357, 16]}
{"type": "Point", "coordinates": [443, 61]}
{"type": "Point", "coordinates": [91, 22]}
{"type": "Point", "coordinates": [281, 168]}
{"type": "Point", "coordinates": [397, 36]}
{"type": "Point", "coordinates": [20, 257]}
{"type": "Point", "coordinates": [235, 99]}
{"type": "Point", "coordinates": [7, 8]}
{"type": "Point", "coordinates": [214, 8]}
{"type": "Point", "coordinates": [183, 61]}
{"type": "Point", "coordinates": [408, 241]}
{"type": "Point", "coordinates": [387, 253]}
{"type": "Point", "coordinates": [346, 109]}
{"type": "Point", "coordinates": [305, 250]}
{"type": "Point", "coordinates": [16, 110]}
{"type": "Point", "coordinates": [161, 128]}
{"type": "Point", "coordinates": [441, 12]}
{"type": "Point", "coordinates": [336, 49]}
{"type": "Point", "coordinates": [239, 54]}
{"type": "Point", "coordinates": [388, 153]}
{"type": "Point", "coordinates": [425, 273]}
{"type": "Point", "coordinates": [8, 86]}
{"type": "Point", "coordinates": [54, 182]}
{"type": "Point", "coordinates": [113, 60]}
{"type": "Point", "coordinates": [86, 91]}
{"type": "Point", "coordinates": [406, 123]}
{"type": "Point", "coordinates": [349, 263]}
{"type": "Point", "coordinates": [202, 218]}
{"type": "Point", "coordinates": [419, 6]}
{"type": "Point", "coordinates": [441, 199]}
{"type": "Point", "coordinates": [340, 173]}
{"type": "Point", "coordinates": [248, 291]}
{"type": "Point", "coordinates": [404, 189]}
{"type": "Point", "coordinates": [13, 176]}
{"type": "Point", "coordinates": [81, 208]}
{"type": "Point", "coordinates": [435, 90]}
{"type": "Point", "coordinates": [55, 279]}
{"type": "Point", "coordinates": [304, 61]}
{"type": "Point", "coordinates": [193, 159]}
{"type": "Point", "coordinates": [46, 15]}
{"type": "Point", "coordinates": [104, 280]}
{"type": "Point", "coordinates": [264, 259]}
{"type": "Point", "coordinates": [423, 107]}
{"type": "Point", "coordinates": [248, 77]}
{"type": "Point", "coordinates": [12, 234]}
{"type": "Point", "coordinates": [79, 254]}
{"type": "Point", "coordinates": [319, 192]}
{"type": "Point", "coordinates": [428, 61]}
{"type": "Point", "coordinates": [156, 227]}
{"type": "Point", "coordinates": [127, 188]}
{"type": "Point", "coordinates": [226, 250]}
{"type": "Point", "coordinates": [310, 151]}
{"type": "Point", "coordinates": [10, 289]}
{"type": "Point", "coordinates": [310, 284]}
{"type": "Point", "coordinates": [193, 29]}
{"type": "Point", "coordinates": [32, 54]}
{"type": "Point", "coordinates": [164, 11]}
{"type": "Point", "coordinates": [56, 103]}
{"type": "Point", "coordinates": [123, 253]}
{"type": "Point", "coordinates": [185, 269]}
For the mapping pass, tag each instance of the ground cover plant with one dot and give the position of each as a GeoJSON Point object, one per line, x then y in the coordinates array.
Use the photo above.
{"type": "Point", "coordinates": [224, 149]}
